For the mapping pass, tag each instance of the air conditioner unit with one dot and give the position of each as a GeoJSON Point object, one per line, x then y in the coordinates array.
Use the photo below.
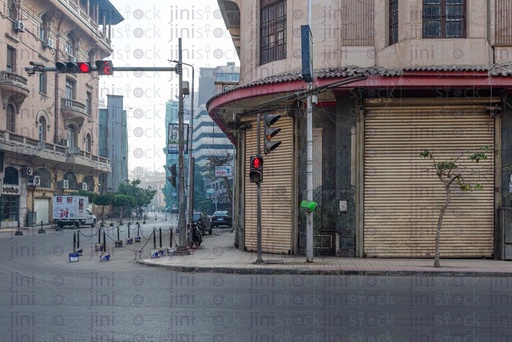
{"type": "Point", "coordinates": [48, 42]}
{"type": "Point", "coordinates": [35, 181]}
{"type": "Point", "coordinates": [63, 184]}
{"type": "Point", "coordinates": [84, 186]}
{"type": "Point", "coordinates": [19, 26]}
{"type": "Point", "coordinates": [26, 171]}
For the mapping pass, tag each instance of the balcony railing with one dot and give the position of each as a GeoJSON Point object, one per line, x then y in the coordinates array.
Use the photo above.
{"type": "Point", "coordinates": [29, 146]}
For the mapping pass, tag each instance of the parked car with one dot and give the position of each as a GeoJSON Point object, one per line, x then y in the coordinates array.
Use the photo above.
{"type": "Point", "coordinates": [203, 222]}
{"type": "Point", "coordinates": [221, 218]}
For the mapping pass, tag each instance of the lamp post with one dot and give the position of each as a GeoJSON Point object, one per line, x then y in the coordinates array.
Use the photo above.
{"type": "Point", "coordinates": [190, 190]}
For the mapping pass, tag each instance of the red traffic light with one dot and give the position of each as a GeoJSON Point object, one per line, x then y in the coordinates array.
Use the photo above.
{"type": "Point", "coordinates": [84, 67]}
{"type": "Point", "coordinates": [257, 162]}
{"type": "Point", "coordinates": [256, 172]}
{"type": "Point", "coordinates": [105, 67]}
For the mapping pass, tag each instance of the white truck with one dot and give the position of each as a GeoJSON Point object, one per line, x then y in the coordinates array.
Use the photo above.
{"type": "Point", "coordinates": [71, 210]}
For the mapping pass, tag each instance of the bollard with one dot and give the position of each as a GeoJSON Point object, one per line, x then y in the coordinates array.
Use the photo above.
{"type": "Point", "coordinates": [41, 230]}
{"type": "Point", "coordinates": [104, 241]}
{"type": "Point", "coordinates": [118, 243]}
{"type": "Point", "coordinates": [18, 231]}
{"type": "Point", "coordinates": [160, 237]}
{"type": "Point", "coordinates": [74, 241]}
{"type": "Point", "coordinates": [77, 239]}
{"type": "Point", "coordinates": [99, 246]}
{"type": "Point", "coordinates": [154, 238]}
{"type": "Point", "coordinates": [170, 245]}
{"type": "Point", "coordinates": [128, 229]}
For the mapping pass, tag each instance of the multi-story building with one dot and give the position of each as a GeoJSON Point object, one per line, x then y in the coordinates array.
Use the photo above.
{"type": "Point", "coordinates": [113, 143]}
{"type": "Point", "coordinates": [210, 144]}
{"type": "Point", "coordinates": [391, 79]}
{"type": "Point", "coordinates": [49, 121]}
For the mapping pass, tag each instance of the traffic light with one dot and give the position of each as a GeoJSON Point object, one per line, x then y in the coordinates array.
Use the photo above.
{"type": "Point", "coordinates": [268, 144]}
{"type": "Point", "coordinates": [104, 67]}
{"type": "Point", "coordinates": [73, 68]}
{"type": "Point", "coordinates": [84, 67]}
{"type": "Point", "coordinates": [256, 173]}
{"type": "Point", "coordinates": [174, 174]}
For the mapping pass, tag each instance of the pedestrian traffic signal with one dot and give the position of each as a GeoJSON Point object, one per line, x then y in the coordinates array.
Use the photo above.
{"type": "Point", "coordinates": [268, 144]}
{"type": "Point", "coordinates": [256, 172]}
{"type": "Point", "coordinates": [73, 68]}
{"type": "Point", "coordinates": [174, 174]}
{"type": "Point", "coordinates": [104, 67]}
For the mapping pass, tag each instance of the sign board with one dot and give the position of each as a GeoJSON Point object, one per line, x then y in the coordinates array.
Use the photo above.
{"type": "Point", "coordinates": [173, 142]}
{"type": "Point", "coordinates": [223, 171]}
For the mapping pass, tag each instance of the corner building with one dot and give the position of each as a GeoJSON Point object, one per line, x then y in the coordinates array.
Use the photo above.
{"type": "Point", "coordinates": [49, 121]}
{"type": "Point", "coordinates": [391, 79]}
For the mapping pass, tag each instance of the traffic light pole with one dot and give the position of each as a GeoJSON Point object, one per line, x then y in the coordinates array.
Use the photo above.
{"type": "Point", "coordinates": [259, 258]}
{"type": "Point", "coordinates": [309, 163]}
{"type": "Point", "coordinates": [182, 248]}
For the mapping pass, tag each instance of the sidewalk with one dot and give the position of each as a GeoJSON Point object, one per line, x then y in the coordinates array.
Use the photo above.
{"type": "Point", "coordinates": [218, 254]}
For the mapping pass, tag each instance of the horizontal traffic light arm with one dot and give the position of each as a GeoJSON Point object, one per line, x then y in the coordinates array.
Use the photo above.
{"type": "Point", "coordinates": [34, 69]}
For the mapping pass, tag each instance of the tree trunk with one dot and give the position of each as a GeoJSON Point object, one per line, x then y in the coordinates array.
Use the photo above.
{"type": "Point", "coordinates": [440, 222]}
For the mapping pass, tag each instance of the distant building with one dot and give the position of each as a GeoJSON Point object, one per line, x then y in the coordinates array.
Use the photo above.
{"type": "Point", "coordinates": [113, 143]}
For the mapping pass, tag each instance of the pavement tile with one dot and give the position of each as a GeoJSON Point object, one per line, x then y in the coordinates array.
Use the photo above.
{"type": "Point", "coordinates": [217, 254]}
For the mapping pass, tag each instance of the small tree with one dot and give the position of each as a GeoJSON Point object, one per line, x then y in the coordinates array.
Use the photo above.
{"type": "Point", "coordinates": [121, 201]}
{"type": "Point", "coordinates": [103, 200]}
{"type": "Point", "coordinates": [449, 172]}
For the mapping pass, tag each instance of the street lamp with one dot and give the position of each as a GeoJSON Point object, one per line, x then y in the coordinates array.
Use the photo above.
{"type": "Point", "coordinates": [190, 159]}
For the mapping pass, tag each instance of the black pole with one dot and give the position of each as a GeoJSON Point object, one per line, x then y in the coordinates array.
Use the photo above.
{"type": "Point", "coordinates": [154, 238]}
{"type": "Point", "coordinates": [104, 241]}
{"type": "Point", "coordinates": [128, 230]}
{"type": "Point", "coordinates": [99, 236]}
{"type": "Point", "coordinates": [171, 239]}
{"type": "Point", "coordinates": [138, 229]}
{"type": "Point", "coordinates": [41, 230]}
{"type": "Point", "coordinates": [74, 241]}
{"type": "Point", "coordinates": [18, 231]}
{"type": "Point", "coordinates": [160, 237]}
{"type": "Point", "coordinates": [117, 233]}
{"type": "Point", "coordinates": [78, 239]}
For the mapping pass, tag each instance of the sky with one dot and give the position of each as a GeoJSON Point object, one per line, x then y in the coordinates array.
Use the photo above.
{"type": "Point", "coordinates": [149, 37]}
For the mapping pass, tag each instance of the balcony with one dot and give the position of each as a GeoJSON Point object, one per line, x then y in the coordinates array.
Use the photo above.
{"type": "Point", "coordinates": [52, 155]}
{"type": "Point", "coordinates": [14, 87]}
{"type": "Point", "coordinates": [74, 111]}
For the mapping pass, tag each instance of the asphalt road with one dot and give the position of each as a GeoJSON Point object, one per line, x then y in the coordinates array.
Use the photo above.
{"type": "Point", "coordinates": [44, 297]}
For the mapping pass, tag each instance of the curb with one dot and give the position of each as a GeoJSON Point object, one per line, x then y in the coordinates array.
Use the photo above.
{"type": "Point", "coordinates": [292, 271]}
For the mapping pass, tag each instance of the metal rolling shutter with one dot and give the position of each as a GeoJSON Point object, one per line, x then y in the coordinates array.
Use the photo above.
{"type": "Point", "coordinates": [276, 191]}
{"type": "Point", "coordinates": [402, 194]}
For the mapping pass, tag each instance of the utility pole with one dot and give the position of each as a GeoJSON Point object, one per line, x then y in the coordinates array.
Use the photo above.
{"type": "Point", "coordinates": [182, 248]}
{"type": "Point", "coordinates": [309, 160]}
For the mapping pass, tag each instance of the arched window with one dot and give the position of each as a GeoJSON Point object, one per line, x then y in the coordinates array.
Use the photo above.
{"type": "Point", "coordinates": [42, 128]}
{"type": "Point", "coordinates": [71, 135]}
{"type": "Point", "coordinates": [12, 10]}
{"type": "Point", "coordinates": [11, 176]}
{"type": "Point", "coordinates": [11, 118]}
{"type": "Point", "coordinates": [44, 176]}
{"type": "Point", "coordinates": [90, 183]}
{"type": "Point", "coordinates": [71, 45]}
{"type": "Point", "coordinates": [88, 143]}
{"type": "Point", "coordinates": [44, 28]}
{"type": "Point", "coordinates": [70, 176]}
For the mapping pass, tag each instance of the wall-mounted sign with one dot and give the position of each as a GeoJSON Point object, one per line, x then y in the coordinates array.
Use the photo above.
{"type": "Point", "coordinates": [9, 189]}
